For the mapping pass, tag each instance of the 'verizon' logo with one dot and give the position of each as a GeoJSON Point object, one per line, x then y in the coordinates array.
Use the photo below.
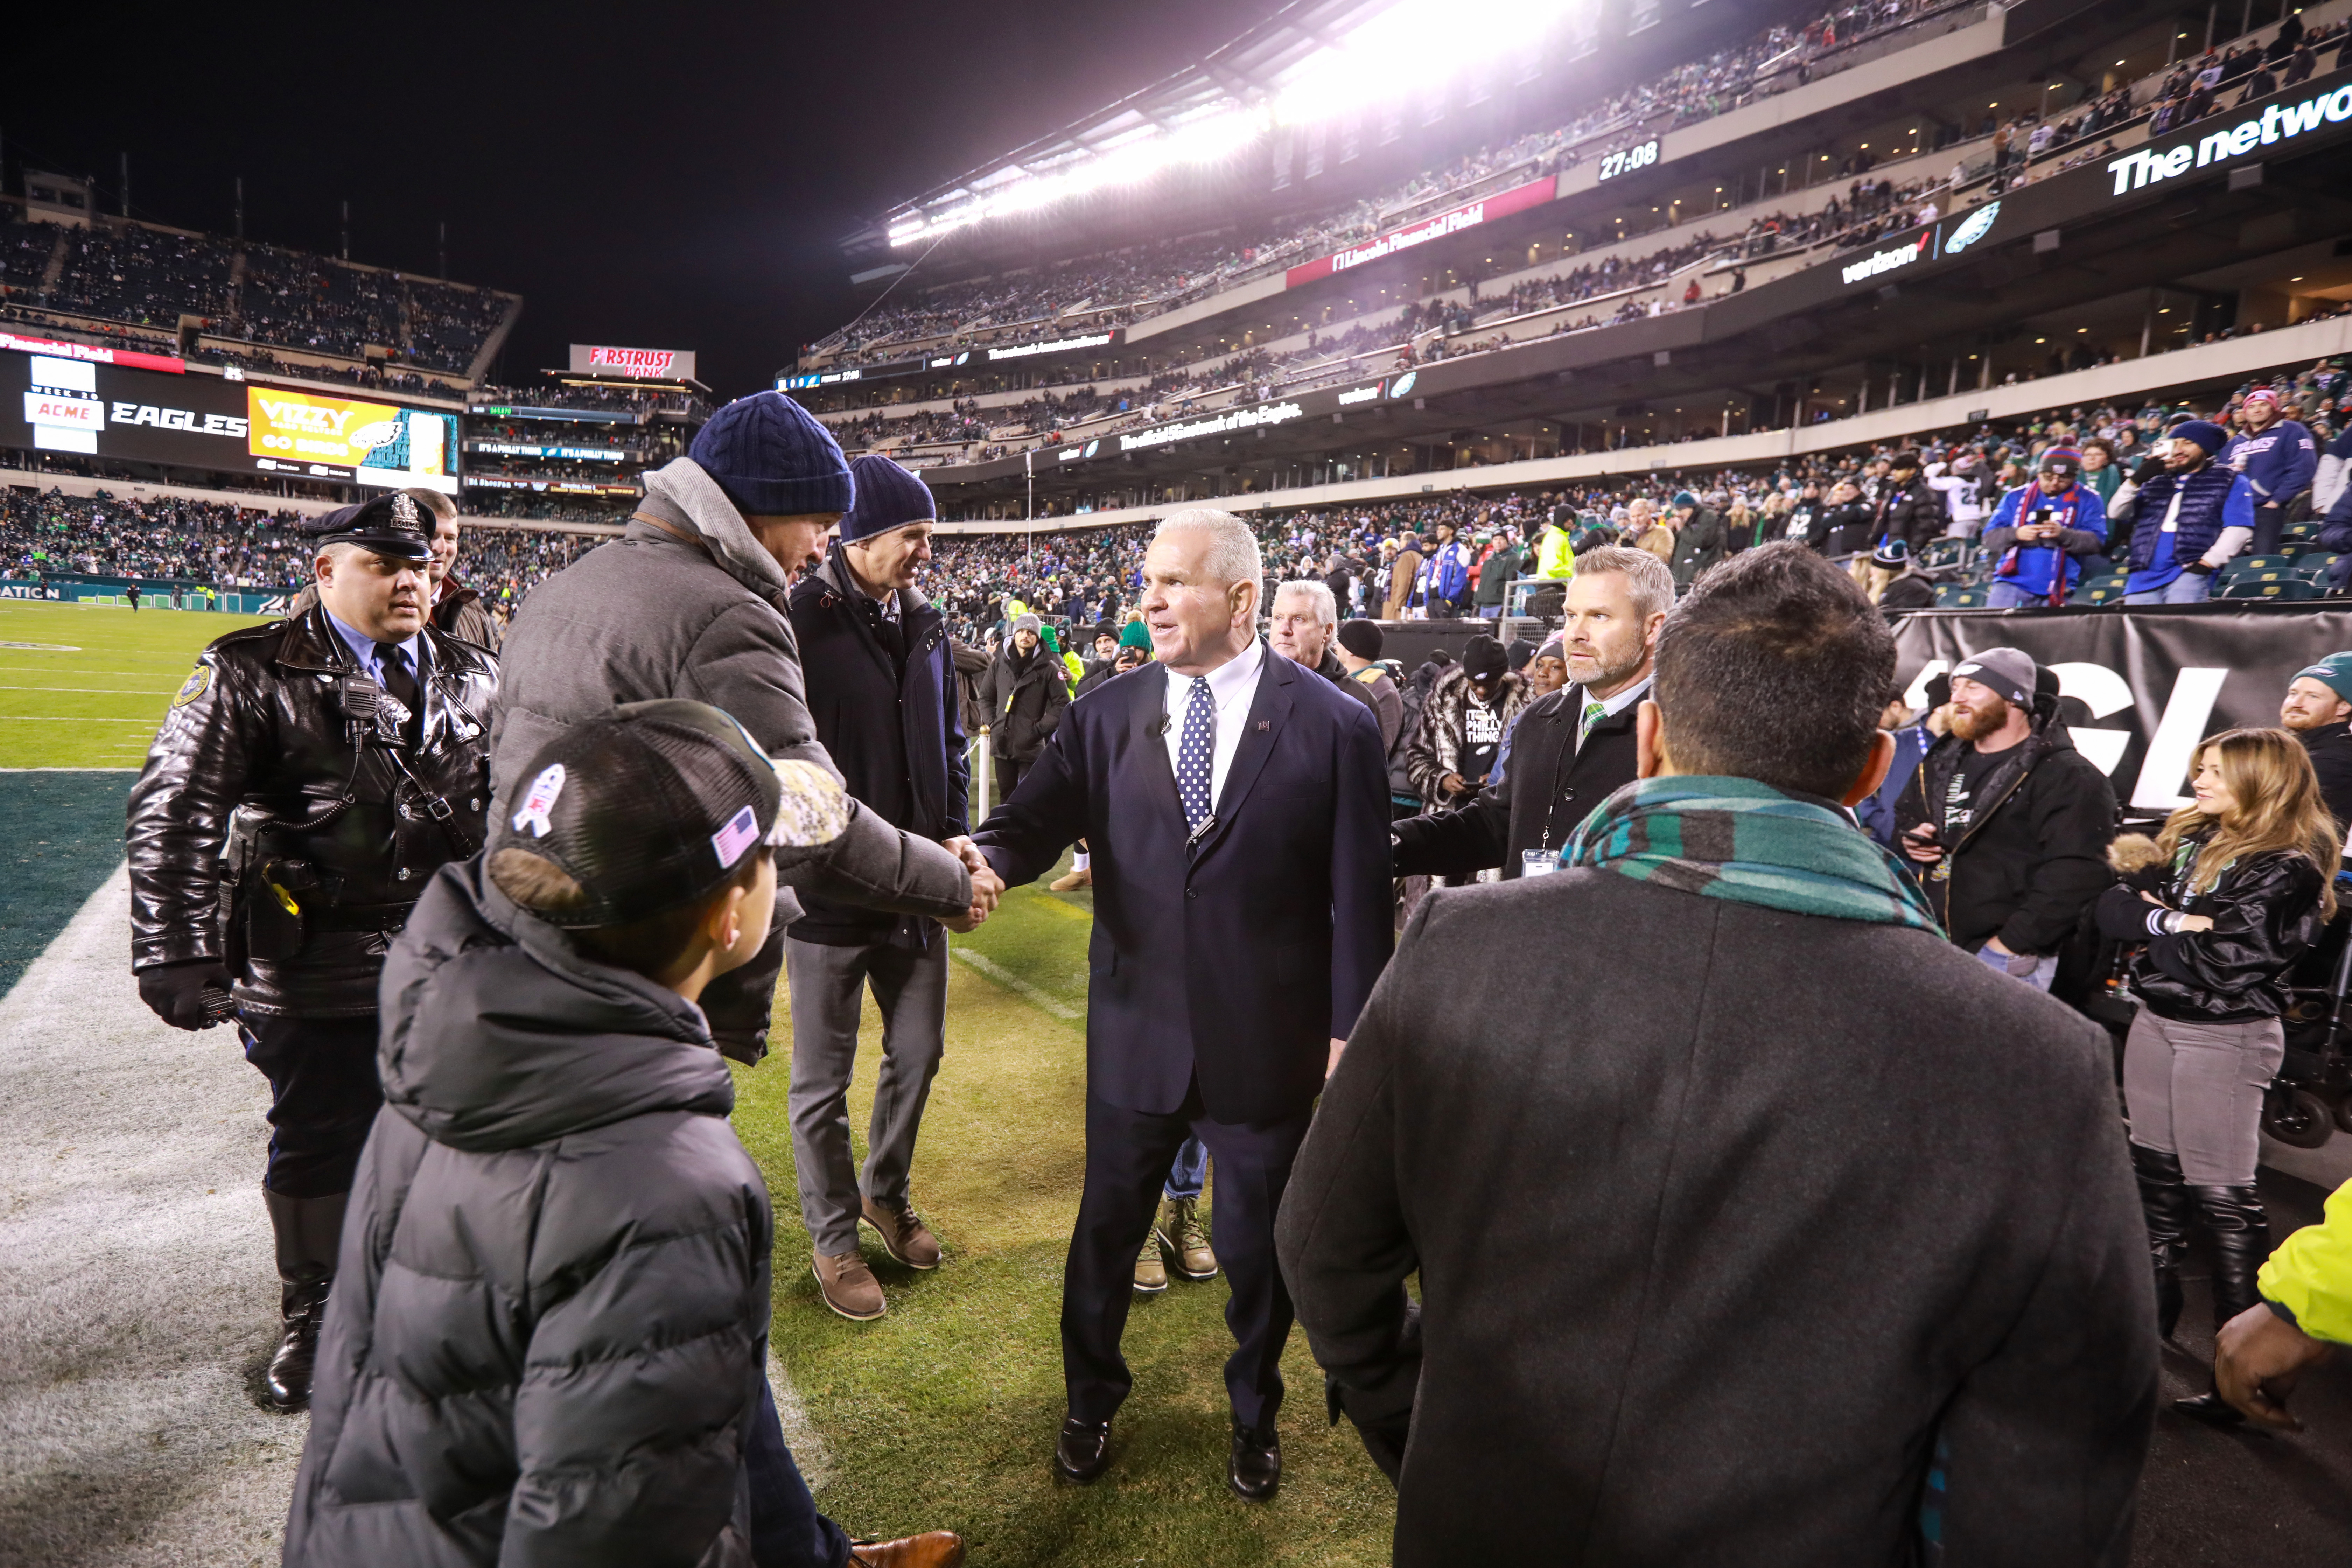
{"type": "Point", "coordinates": [1973, 228]}
{"type": "Point", "coordinates": [1888, 261]}
{"type": "Point", "coordinates": [2275, 124]}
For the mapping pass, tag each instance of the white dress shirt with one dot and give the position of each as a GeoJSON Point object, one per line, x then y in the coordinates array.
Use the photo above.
{"type": "Point", "coordinates": [1233, 686]}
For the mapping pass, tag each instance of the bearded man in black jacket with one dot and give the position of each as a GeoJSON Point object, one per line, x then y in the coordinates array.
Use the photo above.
{"type": "Point", "coordinates": [1570, 750]}
{"type": "Point", "coordinates": [2318, 709]}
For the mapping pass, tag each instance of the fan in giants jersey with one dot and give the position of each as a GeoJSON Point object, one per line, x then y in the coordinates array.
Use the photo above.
{"type": "Point", "coordinates": [309, 778]}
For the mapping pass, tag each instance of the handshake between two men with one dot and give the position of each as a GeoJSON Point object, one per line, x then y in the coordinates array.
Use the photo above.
{"type": "Point", "coordinates": [987, 886]}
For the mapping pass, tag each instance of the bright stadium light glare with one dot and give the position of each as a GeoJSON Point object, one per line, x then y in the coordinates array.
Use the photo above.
{"type": "Point", "coordinates": [1416, 44]}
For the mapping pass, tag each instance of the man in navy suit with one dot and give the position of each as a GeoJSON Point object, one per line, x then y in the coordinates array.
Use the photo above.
{"type": "Point", "coordinates": [1237, 809]}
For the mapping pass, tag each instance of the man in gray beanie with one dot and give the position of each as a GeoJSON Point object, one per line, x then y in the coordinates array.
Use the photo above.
{"type": "Point", "coordinates": [691, 601]}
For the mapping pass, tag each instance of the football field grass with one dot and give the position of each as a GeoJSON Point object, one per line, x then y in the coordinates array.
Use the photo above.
{"type": "Point", "coordinates": [84, 686]}
{"type": "Point", "coordinates": [941, 1414]}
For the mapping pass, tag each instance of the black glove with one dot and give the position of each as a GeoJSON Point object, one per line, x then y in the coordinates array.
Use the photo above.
{"type": "Point", "coordinates": [174, 992]}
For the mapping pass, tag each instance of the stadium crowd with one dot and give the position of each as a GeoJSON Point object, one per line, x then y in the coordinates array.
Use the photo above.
{"type": "Point", "coordinates": [148, 277]}
{"type": "Point", "coordinates": [1131, 285]}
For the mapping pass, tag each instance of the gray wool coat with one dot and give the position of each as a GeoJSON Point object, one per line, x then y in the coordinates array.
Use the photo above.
{"type": "Point", "coordinates": [648, 615]}
{"type": "Point", "coordinates": [1723, 1217]}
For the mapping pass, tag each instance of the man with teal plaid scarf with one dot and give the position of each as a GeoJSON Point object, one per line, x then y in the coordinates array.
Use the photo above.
{"type": "Point", "coordinates": [1757, 1201]}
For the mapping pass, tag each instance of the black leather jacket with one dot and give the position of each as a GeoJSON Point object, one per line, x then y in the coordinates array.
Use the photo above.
{"type": "Point", "coordinates": [2265, 913]}
{"type": "Point", "coordinates": [284, 825]}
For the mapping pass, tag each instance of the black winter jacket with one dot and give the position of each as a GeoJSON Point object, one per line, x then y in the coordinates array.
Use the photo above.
{"type": "Point", "coordinates": [2265, 913]}
{"type": "Point", "coordinates": [1548, 789]}
{"type": "Point", "coordinates": [1436, 749]}
{"type": "Point", "coordinates": [1027, 702]}
{"type": "Point", "coordinates": [2331, 758]}
{"type": "Point", "coordinates": [1844, 529]}
{"type": "Point", "coordinates": [1912, 514]}
{"type": "Point", "coordinates": [335, 808]}
{"type": "Point", "coordinates": [2034, 857]}
{"type": "Point", "coordinates": [1698, 544]}
{"type": "Point", "coordinates": [550, 1320]}
{"type": "Point", "coordinates": [887, 718]}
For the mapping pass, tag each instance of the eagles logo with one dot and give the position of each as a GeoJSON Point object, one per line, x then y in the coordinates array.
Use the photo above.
{"type": "Point", "coordinates": [199, 681]}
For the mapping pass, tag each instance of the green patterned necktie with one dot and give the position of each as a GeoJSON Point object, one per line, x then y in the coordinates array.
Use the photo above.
{"type": "Point", "coordinates": [1593, 713]}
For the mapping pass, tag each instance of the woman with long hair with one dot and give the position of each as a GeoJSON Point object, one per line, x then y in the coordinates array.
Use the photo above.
{"type": "Point", "coordinates": [2234, 890]}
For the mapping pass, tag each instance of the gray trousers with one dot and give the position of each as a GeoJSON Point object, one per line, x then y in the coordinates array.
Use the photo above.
{"type": "Point", "coordinates": [828, 991]}
{"type": "Point", "coordinates": [2196, 1090]}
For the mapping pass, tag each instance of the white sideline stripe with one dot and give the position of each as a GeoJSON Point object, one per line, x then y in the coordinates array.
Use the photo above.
{"type": "Point", "coordinates": [136, 1286]}
{"type": "Point", "coordinates": [810, 1455]}
{"type": "Point", "coordinates": [1011, 981]}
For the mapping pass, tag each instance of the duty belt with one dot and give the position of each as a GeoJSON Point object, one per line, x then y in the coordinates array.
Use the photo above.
{"type": "Point", "coordinates": [362, 917]}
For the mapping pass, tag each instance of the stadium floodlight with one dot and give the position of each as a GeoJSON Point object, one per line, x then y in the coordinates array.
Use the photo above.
{"type": "Point", "coordinates": [1415, 45]}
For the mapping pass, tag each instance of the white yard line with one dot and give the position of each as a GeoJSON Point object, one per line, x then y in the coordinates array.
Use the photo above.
{"type": "Point", "coordinates": [1014, 983]}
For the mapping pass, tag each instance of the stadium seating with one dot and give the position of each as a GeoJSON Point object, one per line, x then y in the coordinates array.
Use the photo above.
{"type": "Point", "coordinates": [2103, 590]}
{"type": "Point", "coordinates": [2288, 589]}
{"type": "Point", "coordinates": [1959, 597]}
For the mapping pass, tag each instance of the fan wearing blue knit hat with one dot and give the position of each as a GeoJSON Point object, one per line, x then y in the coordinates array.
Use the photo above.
{"type": "Point", "coordinates": [2190, 520]}
{"type": "Point", "coordinates": [691, 601]}
{"type": "Point", "coordinates": [882, 684]}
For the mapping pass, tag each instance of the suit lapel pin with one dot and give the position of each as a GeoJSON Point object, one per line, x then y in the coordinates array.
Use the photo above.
{"type": "Point", "coordinates": [1262, 726]}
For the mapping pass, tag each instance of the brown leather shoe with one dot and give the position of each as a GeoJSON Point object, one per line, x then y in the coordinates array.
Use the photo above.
{"type": "Point", "coordinates": [904, 1234]}
{"type": "Point", "coordinates": [932, 1548]}
{"type": "Point", "coordinates": [1150, 1273]}
{"type": "Point", "coordinates": [848, 1286]}
{"type": "Point", "coordinates": [1072, 882]}
{"type": "Point", "coordinates": [1179, 1230]}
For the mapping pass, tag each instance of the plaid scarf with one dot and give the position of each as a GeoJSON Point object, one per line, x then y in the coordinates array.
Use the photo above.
{"type": "Point", "coordinates": [1735, 838]}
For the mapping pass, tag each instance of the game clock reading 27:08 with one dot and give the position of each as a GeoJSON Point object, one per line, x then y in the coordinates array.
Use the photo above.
{"type": "Point", "coordinates": [1625, 160]}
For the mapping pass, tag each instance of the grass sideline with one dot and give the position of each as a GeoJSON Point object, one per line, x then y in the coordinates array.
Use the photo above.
{"type": "Point", "coordinates": [942, 1413]}
{"type": "Point", "coordinates": [97, 680]}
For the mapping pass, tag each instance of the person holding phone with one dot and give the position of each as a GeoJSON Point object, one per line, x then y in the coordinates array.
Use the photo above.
{"type": "Point", "coordinates": [2045, 534]}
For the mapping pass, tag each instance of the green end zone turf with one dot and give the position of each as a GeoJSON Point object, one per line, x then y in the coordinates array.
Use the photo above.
{"type": "Point", "coordinates": [64, 837]}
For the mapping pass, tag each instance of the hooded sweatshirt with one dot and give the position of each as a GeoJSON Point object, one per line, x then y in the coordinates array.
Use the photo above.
{"type": "Point", "coordinates": [550, 1321]}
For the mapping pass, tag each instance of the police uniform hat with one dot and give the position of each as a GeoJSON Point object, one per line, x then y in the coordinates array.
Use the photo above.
{"type": "Point", "coordinates": [391, 525]}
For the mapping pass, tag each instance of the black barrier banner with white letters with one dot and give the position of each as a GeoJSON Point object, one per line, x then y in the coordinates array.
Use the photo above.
{"type": "Point", "coordinates": [2150, 683]}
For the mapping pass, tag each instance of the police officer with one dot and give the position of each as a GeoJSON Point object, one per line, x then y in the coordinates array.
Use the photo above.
{"type": "Point", "coordinates": [310, 776]}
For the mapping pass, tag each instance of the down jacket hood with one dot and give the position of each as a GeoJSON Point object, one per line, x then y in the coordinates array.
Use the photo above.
{"type": "Point", "coordinates": [681, 495]}
{"type": "Point", "coordinates": [499, 1034]}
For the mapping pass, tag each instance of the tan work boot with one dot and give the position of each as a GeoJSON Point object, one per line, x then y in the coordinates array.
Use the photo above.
{"type": "Point", "coordinates": [1150, 1273]}
{"type": "Point", "coordinates": [1077, 879]}
{"type": "Point", "coordinates": [848, 1286]}
{"type": "Point", "coordinates": [1179, 1230]}
{"type": "Point", "coordinates": [932, 1548]}
{"type": "Point", "coordinates": [904, 1235]}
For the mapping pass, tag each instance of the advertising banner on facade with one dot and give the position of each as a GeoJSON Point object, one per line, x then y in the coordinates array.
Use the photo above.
{"type": "Point", "coordinates": [639, 365]}
{"type": "Point", "coordinates": [2139, 688]}
{"type": "Point", "coordinates": [1469, 214]}
{"type": "Point", "coordinates": [376, 442]}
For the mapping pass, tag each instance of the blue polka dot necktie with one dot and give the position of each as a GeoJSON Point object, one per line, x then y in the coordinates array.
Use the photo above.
{"type": "Point", "coordinates": [1196, 754]}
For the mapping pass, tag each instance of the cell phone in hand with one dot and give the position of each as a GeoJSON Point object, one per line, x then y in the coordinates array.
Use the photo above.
{"type": "Point", "coordinates": [218, 1005]}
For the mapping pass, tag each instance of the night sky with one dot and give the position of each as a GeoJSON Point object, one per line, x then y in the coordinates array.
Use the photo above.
{"type": "Point", "coordinates": [671, 176]}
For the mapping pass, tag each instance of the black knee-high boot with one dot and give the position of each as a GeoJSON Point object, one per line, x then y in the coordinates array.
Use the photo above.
{"type": "Point", "coordinates": [309, 1232]}
{"type": "Point", "coordinates": [2239, 1230]}
{"type": "Point", "coordinates": [2164, 1197]}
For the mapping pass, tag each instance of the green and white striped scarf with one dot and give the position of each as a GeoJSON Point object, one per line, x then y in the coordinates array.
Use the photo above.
{"type": "Point", "coordinates": [1735, 838]}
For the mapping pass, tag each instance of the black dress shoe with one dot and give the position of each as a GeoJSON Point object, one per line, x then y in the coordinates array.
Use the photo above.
{"type": "Point", "coordinates": [1255, 1469]}
{"type": "Point", "coordinates": [1082, 1452]}
{"type": "Point", "coordinates": [2215, 1411]}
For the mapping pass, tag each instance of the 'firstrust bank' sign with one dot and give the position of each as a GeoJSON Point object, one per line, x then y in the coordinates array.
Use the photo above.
{"type": "Point", "coordinates": [2277, 122]}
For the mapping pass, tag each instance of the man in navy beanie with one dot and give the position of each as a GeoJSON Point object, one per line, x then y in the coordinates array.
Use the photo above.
{"type": "Point", "coordinates": [882, 685]}
{"type": "Point", "coordinates": [692, 602]}
{"type": "Point", "coordinates": [2189, 520]}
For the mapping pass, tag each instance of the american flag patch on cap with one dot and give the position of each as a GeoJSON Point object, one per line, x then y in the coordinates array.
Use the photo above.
{"type": "Point", "coordinates": [742, 831]}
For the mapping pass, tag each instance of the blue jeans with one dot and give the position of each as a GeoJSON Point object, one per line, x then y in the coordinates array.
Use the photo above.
{"type": "Point", "coordinates": [787, 1532]}
{"type": "Point", "coordinates": [2189, 588]}
{"type": "Point", "coordinates": [2010, 596]}
{"type": "Point", "coordinates": [1188, 1172]}
{"type": "Point", "coordinates": [2037, 972]}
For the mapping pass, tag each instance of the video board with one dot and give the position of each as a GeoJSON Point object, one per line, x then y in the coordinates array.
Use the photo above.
{"type": "Point", "coordinates": [49, 402]}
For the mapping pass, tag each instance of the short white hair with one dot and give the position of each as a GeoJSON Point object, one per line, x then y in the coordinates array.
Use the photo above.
{"type": "Point", "coordinates": [1232, 548]}
{"type": "Point", "coordinates": [1326, 608]}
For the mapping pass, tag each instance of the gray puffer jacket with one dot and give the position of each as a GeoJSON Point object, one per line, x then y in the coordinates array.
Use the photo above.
{"type": "Point", "coordinates": [550, 1321]}
{"type": "Point", "coordinates": [651, 616]}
